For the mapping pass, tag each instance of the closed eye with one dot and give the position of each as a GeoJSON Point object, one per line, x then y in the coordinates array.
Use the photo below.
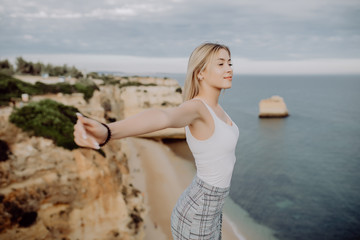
{"type": "Point", "coordinates": [221, 64]}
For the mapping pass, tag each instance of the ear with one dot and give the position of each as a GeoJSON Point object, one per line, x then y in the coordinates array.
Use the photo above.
{"type": "Point", "coordinates": [200, 75]}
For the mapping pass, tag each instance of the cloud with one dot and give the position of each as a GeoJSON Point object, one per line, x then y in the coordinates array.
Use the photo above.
{"type": "Point", "coordinates": [128, 10]}
{"type": "Point", "coordinates": [296, 10]}
{"type": "Point", "coordinates": [28, 37]}
{"type": "Point", "coordinates": [106, 10]}
{"type": "Point", "coordinates": [110, 13]}
{"type": "Point", "coordinates": [260, 30]}
{"type": "Point", "coordinates": [45, 15]}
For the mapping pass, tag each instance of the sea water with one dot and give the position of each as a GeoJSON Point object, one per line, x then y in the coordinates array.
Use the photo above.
{"type": "Point", "coordinates": [296, 177]}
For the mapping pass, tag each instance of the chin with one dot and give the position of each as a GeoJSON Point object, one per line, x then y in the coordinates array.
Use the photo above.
{"type": "Point", "coordinates": [227, 86]}
{"type": "Point", "coordinates": [224, 86]}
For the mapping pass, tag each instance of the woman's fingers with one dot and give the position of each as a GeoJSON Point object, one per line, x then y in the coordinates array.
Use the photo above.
{"type": "Point", "coordinates": [94, 143]}
{"type": "Point", "coordinates": [81, 138]}
{"type": "Point", "coordinates": [78, 136]}
{"type": "Point", "coordinates": [80, 125]}
{"type": "Point", "coordinates": [89, 142]}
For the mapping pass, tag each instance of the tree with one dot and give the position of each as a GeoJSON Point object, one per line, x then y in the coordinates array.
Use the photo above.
{"type": "Point", "coordinates": [6, 67]}
{"type": "Point", "coordinates": [20, 64]}
{"type": "Point", "coordinates": [24, 67]}
{"type": "Point", "coordinates": [38, 68]}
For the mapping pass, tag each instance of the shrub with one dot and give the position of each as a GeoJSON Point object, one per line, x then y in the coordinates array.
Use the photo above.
{"type": "Point", "coordinates": [95, 75]}
{"type": "Point", "coordinates": [6, 67]}
{"type": "Point", "coordinates": [13, 88]}
{"type": "Point", "coordinates": [8, 72]}
{"type": "Point", "coordinates": [135, 84]}
{"type": "Point", "coordinates": [86, 87]}
{"type": "Point", "coordinates": [48, 119]}
{"type": "Point", "coordinates": [179, 90]}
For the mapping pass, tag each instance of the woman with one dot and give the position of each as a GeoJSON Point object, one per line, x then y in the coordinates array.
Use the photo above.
{"type": "Point", "coordinates": [210, 133]}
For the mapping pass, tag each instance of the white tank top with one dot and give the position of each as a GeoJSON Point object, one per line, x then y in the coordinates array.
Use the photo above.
{"type": "Point", "coordinates": [215, 156]}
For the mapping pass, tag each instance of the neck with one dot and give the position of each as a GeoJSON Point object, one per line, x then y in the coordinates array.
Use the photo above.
{"type": "Point", "coordinates": [210, 95]}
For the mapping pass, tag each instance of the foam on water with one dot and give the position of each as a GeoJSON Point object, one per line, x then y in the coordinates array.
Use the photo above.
{"type": "Point", "coordinates": [243, 225]}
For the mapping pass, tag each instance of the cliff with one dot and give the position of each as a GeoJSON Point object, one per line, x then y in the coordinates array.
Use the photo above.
{"type": "Point", "coordinates": [164, 93]}
{"type": "Point", "coordinates": [113, 102]}
{"type": "Point", "coordinates": [48, 192]}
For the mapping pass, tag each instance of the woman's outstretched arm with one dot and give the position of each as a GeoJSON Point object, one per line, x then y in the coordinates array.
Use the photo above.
{"type": "Point", "coordinates": [90, 133]}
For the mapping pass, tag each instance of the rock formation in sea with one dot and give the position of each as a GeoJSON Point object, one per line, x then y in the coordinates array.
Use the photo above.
{"type": "Point", "coordinates": [48, 192]}
{"type": "Point", "coordinates": [273, 107]}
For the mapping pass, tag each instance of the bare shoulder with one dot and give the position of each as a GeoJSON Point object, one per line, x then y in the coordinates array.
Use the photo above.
{"type": "Point", "coordinates": [196, 104]}
{"type": "Point", "coordinates": [197, 107]}
{"type": "Point", "coordinates": [186, 113]}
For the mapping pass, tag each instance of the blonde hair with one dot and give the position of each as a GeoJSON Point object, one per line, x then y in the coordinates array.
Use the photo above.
{"type": "Point", "coordinates": [198, 61]}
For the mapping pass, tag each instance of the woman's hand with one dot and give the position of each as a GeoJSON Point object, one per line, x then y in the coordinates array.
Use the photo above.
{"type": "Point", "coordinates": [89, 133]}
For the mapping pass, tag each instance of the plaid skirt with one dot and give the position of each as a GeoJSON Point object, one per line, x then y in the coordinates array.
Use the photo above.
{"type": "Point", "coordinates": [198, 212]}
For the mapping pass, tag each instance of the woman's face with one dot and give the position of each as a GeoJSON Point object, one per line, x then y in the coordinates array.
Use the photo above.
{"type": "Point", "coordinates": [218, 73]}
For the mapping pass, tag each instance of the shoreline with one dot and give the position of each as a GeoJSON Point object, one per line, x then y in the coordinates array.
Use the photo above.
{"type": "Point", "coordinates": [162, 175]}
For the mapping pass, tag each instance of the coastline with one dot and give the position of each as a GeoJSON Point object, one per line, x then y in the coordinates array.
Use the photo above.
{"type": "Point", "coordinates": [162, 175]}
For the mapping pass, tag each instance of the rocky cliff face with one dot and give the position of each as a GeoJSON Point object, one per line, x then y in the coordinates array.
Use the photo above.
{"type": "Point", "coordinates": [114, 103]}
{"type": "Point", "coordinates": [137, 99]}
{"type": "Point", "coordinates": [120, 103]}
{"type": "Point", "coordinates": [47, 192]}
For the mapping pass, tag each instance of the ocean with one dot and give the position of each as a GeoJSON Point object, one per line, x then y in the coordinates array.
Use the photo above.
{"type": "Point", "coordinates": [296, 178]}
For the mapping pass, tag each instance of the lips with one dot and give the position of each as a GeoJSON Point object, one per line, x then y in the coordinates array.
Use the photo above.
{"type": "Point", "coordinates": [228, 78]}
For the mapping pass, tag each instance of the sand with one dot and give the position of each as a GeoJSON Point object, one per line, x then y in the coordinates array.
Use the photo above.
{"type": "Point", "coordinates": [162, 172]}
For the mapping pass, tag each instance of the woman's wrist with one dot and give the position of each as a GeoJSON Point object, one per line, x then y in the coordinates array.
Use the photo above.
{"type": "Point", "coordinates": [108, 136]}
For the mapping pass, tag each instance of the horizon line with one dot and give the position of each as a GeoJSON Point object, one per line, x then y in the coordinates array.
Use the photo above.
{"type": "Point", "coordinates": [178, 65]}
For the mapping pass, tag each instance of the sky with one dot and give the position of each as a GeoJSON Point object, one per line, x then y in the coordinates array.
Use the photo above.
{"type": "Point", "coordinates": [265, 37]}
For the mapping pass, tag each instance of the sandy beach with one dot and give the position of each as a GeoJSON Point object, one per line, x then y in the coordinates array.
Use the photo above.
{"type": "Point", "coordinates": [162, 172]}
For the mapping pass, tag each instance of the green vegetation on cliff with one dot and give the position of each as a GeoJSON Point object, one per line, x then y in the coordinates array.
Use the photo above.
{"type": "Point", "coordinates": [49, 119]}
{"type": "Point", "coordinates": [136, 84]}
{"type": "Point", "coordinates": [13, 88]}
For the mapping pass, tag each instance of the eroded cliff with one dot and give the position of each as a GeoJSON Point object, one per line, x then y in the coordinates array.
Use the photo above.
{"type": "Point", "coordinates": [48, 192]}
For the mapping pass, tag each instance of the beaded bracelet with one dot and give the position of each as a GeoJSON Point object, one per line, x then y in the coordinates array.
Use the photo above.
{"type": "Point", "coordinates": [108, 135]}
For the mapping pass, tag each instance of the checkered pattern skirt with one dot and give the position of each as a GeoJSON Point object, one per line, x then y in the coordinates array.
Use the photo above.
{"type": "Point", "coordinates": [198, 212]}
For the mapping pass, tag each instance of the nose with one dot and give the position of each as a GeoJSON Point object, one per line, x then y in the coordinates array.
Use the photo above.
{"type": "Point", "coordinates": [229, 68]}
